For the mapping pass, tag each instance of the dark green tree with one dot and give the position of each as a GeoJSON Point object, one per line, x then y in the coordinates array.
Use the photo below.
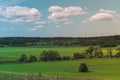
{"type": "Point", "coordinates": [83, 67]}
{"type": "Point", "coordinates": [32, 58]}
{"type": "Point", "coordinates": [78, 56]}
{"type": "Point", "coordinates": [23, 58]}
{"type": "Point", "coordinates": [50, 56]}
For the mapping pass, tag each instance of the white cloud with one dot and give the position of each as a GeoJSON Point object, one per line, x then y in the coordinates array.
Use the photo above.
{"type": "Point", "coordinates": [35, 28]}
{"type": "Point", "coordinates": [40, 22]}
{"type": "Point", "coordinates": [55, 9]}
{"type": "Point", "coordinates": [19, 14]}
{"type": "Point", "coordinates": [69, 22]}
{"type": "Point", "coordinates": [60, 14]}
{"type": "Point", "coordinates": [57, 26]}
{"type": "Point", "coordinates": [103, 15]}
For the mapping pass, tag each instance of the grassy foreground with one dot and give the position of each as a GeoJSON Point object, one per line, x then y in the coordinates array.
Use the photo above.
{"type": "Point", "coordinates": [103, 69]}
{"type": "Point", "coordinates": [99, 68]}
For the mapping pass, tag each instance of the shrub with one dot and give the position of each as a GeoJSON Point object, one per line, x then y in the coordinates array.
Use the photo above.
{"type": "Point", "coordinates": [32, 58]}
{"type": "Point", "coordinates": [44, 56]}
{"type": "Point", "coordinates": [117, 55]}
{"type": "Point", "coordinates": [66, 57]}
{"type": "Point", "coordinates": [83, 67]}
{"type": "Point", "coordinates": [98, 54]}
{"type": "Point", "coordinates": [23, 58]}
{"type": "Point", "coordinates": [78, 56]}
{"type": "Point", "coordinates": [50, 56]}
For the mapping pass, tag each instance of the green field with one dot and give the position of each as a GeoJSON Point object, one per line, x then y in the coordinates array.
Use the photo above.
{"type": "Point", "coordinates": [15, 52]}
{"type": "Point", "coordinates": [105, 68]}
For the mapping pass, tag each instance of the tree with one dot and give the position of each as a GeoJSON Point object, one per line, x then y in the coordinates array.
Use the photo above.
{"type": "Point", "coordinates": [109, 51]}
{"type": "Point", "coordinates": [89, 51]}
{"type": "Point", "coordinates": [78, 56]}
{"type": "Point", "coordinates": [83, 67]}
{"type": "Point", "coordinates": [50, 56]}
{"type": "Point", "coordinates": [32, 58]}
{"type": "Point", "coordinates": [97, 52]}
{"type": "Point", "coordinates": [118, 53]}
{"type": "Point", "coordinates": [23, 58]}
{"type": "Point", "coordinates": [66, 58]}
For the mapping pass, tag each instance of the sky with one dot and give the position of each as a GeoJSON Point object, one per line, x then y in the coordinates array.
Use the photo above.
{"type": "Point", "coordinates": [59, 18]}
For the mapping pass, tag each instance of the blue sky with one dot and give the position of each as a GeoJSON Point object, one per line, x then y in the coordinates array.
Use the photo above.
{"type": "Point", "coordinates": [59, 18]}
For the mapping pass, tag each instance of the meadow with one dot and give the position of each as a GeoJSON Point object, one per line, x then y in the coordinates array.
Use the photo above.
{"type": "Point", "coordinates": [103, 68]}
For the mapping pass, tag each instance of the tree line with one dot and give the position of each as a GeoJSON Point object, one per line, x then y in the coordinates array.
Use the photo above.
{"type": "Point", "coordinates": [105, 41]}
{"type": "Point", "coordinates": [90, 52]}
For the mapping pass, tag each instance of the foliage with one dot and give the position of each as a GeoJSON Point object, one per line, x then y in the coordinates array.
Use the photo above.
{"type": "Point", "coordinates": [94, 51]}
{"type": "Point", "coordinates": [78, 56]}
{"type": "Point", "coordinates": [117, 55]}
{"type": "Point", "coordinates": [66, 58]}
{"type": "Point", "coordinates": [50, 55]}
{"type": "Point", "coordinates": [109, 51]}
{"type": "Point", "coordinates": [32, 58]}
{"type": "Point", "coordinates": [23, 58]}
{"type": "Point", "coordinates": [97, 52]}
{"type": "Point", "coordinates": [83, 67]}
{"type": "Point", "coordinates": [106, 41]}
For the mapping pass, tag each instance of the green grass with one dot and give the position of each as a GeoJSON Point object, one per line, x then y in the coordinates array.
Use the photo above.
{"type": "Point", "coordinates": [15, 52]}
{"type": "Point", "coordinates": [104, 68]}
{"type": "Point", "coordinates": [99, 68]}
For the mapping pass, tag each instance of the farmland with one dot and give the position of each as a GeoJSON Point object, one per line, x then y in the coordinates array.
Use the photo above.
{"type": "Point", "coordinates": [104, 68]}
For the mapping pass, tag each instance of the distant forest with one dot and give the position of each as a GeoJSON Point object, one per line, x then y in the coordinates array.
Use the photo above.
{"type": "Point", "coordinates": [104, 41]}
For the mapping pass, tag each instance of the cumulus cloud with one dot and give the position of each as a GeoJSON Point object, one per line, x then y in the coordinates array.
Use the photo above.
{"type": "Point", "coordinates": [35, 28]}
{"type": "Point", "coordinates": [55, 9]}
{"type": "Point", "coordinates": [60, 14]}
{"type": "Point", "coordinates": [19, 14]}
{"type": "Point", "coordinates": [102, 15]}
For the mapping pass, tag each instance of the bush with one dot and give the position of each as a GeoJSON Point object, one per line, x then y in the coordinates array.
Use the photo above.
{"type": "Point", "coordinates": [66, 57]}
{"type": "Point", "coordinates": [83, 67]}
{"type": "Point", "coordinates": [98, 54]}
{"type": "Point", "coordinates": [32, 58]}
{"type": "Point", "coordinates": [50, 56]}
{"type": "Point", "coordinates": [117, 55]}
{"type": "Point", "coordinates": [23, 58]}
{"type": "Point", "coordinates": [78, 56]}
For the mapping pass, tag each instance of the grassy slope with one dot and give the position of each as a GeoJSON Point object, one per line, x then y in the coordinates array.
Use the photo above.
{"type": "Point", "coordinates": [99, 68]}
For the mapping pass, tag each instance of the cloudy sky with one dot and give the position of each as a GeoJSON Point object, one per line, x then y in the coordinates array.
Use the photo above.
{"type": "Point", "coordinates": [59, 18]}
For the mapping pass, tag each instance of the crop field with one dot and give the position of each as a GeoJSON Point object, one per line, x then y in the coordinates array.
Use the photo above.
{"type": "Point", "coordinates": [104, 68]}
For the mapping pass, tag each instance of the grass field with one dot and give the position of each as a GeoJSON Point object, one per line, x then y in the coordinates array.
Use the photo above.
{"type": "Point", "coordinates": [99, 68]}
{"type": "Point", "coordinates": [15, 52]}
{"type": "Point", "coordinates": [105, 68]}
